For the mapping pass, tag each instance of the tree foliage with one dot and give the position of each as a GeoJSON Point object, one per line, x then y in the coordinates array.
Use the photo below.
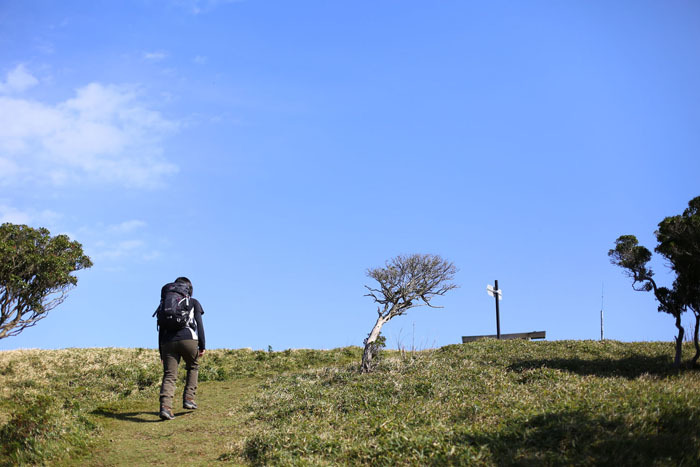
{"type": "Point", "coordinates": [679, 243]}
{"type": "Point", "coordinates": [405, 282]}
{"type": "Point", "coordinates": [35, 274]}
{"type": "Point", "coordinates": [633, 258]}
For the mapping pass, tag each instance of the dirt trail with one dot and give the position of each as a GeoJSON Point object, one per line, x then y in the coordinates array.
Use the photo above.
{"type": "Point", "coordinates": [133, 434]}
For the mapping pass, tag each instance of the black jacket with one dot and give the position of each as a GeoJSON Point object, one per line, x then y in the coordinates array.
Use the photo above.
{"type": "Point", "coordinates": [194, 329]}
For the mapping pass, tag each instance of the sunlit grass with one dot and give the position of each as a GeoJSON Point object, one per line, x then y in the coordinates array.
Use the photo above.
{"type": "Point", "coordinates": [47, 395]}
{"type": "Point", "coordinates": [483, 403]}
{"type": "Point", "coordinates": [488, 402]}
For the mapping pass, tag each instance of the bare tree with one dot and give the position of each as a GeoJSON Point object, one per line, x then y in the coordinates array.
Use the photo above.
{"type": "Point", "coordinates": [405, 282]}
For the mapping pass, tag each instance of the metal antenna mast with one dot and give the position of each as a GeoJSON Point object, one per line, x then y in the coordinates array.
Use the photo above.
{"type": "Point", "coordinates": [602, 296]}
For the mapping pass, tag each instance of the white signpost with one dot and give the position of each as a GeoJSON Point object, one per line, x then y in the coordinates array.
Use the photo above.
{"type": "Point", "coordinates": [497, 293]}
{"type": "Point", "coordinates": [493, 292]}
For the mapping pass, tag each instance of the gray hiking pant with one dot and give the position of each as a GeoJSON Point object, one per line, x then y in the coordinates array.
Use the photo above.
{"type": "Point", "coordinates": [170, 353]}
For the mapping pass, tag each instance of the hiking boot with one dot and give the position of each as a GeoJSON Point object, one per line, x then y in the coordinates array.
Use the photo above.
{"type": "Point", "coordinates": [189, 404]}
{"type": "Point", "coordinates": [166, 414]}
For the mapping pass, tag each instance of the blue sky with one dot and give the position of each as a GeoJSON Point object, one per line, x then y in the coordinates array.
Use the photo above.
{"type": "Point", "coordinates": [272, 151]}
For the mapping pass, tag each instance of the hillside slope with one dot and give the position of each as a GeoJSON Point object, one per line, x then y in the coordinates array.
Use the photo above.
{"type": "Point", "coordinates": [484, 403]}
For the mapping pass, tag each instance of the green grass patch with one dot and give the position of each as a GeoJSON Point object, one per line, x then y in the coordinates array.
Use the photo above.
{"type": "Point", "coordinates": [484, 403]}
{"type": "Point", "coordinates": [52, 402]}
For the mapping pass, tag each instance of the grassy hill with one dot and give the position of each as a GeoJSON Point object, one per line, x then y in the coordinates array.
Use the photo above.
{"type": "Point", "coordinates": [483, 403]}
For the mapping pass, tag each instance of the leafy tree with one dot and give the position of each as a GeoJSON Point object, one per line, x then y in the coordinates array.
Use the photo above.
{"type": "Point", "coordinates": [631, 256]}
{"type": "Point", "coordinates": [679, 243]}
{"type": "Point", "coordinates": [405, 282]}
{"type": "Point", "coordinates": [35, 274]}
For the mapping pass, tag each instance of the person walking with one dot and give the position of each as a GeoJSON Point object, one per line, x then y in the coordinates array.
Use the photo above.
{"type": "Point", "coordinates": [180, 335]}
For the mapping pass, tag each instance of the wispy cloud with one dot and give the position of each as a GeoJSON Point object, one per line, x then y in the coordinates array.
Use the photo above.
{"type": "Point", "coordinates": [127, 226]}
{"type": "Point", "coordinates": [17, 80]}
{"type": "Point", "coordinates": [44, 46]}
{"type": "Point", "coordinates": [114, 245]}
{"type": "Point", "coordinates": [116, 250]}
{"type": "Point", "coordinates": [202, 6]}
{"type": "Point", "coordinates": [123, 243]}
{"type": "Point", "coordinates": [14, 215]}
{"type": "Point", "coordinates": [151, 255]}
{"type": "Point", "coordinates": [154, 56]}
{"type": "Point", "coordinates": [103, 134]}
{"type": "Point", "coordinates": [200, 60]}
{"type": "Point", "coordinates": [111, 252]}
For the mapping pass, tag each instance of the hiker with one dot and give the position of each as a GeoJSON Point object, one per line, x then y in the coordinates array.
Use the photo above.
{"type": "Point", "coordinates": [180, 334]}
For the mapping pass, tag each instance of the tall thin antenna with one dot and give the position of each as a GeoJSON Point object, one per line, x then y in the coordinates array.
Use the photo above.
{"type": "Point", "coordinates": [602, 297]}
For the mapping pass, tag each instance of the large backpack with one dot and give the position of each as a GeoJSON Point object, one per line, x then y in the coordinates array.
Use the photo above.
{"type": "Point", "coordinates": [175, 310]}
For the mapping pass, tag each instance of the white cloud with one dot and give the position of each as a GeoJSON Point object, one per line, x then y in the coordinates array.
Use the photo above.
{"type": "Point", "coordinates": [44, 46]}
{"type": "Point", "coordinates": [152, 255]}
{"type": "Point", "coordinates": [200, 60]}
{"type": "Point", "coordinates": [103, 134]}
{"type": "Point", "coordinates": [154, 56]}
{"type": "Point", "coordinates": [45, 218]}
{"type": "Point", "coordinates": [117, 250]}
{"type": "Point", "coordinates": [202, 6]}
{"type": "Point", "coordinates": [125, 251]}
{"type": "Point", "coordinates": [8, 168]}
{"type": "Point", "coordinates": [123, 244]}
{"type": "Point", "coordinates": [127, 226]}
{"type": "Point", "coordinates": [18, 80]}
{"type": "Point", "coordinates": [13, 215]}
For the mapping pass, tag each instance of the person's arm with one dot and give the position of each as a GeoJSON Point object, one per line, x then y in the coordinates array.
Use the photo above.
{"type": "Point", "coordinates": [198, 312]}
{"type": "Point", "coordinates": [160, 342]}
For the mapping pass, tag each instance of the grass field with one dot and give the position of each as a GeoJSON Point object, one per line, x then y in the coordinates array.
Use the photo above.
{"type": "Point", "coordinates": [484, 403]}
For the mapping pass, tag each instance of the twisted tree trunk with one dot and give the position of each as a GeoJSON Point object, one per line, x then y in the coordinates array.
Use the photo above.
{"type": "Point", "coordinates": [695, 339]}
{"type": "Point", "coordinates": [406, 282]}
{"type": "Point", "coordinates": [679, 342]}
{"type": "Point", "coordinates": [370, 351]}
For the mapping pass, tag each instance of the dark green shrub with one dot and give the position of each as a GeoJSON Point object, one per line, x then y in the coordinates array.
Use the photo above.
{"type": "Point", "coordinates": [145, 379]}
{"type": "Point", "coordinates": [33, 422]}
{"type": "Point", "coordinates": [256, 450]}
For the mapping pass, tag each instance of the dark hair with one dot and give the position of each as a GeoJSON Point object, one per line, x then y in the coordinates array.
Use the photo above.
{"type": "Point", "coordinates": [186, 281]}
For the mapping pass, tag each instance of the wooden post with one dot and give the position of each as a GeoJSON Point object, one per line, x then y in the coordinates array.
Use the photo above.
{"type": "Point", "coordinates": [498, 315]}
